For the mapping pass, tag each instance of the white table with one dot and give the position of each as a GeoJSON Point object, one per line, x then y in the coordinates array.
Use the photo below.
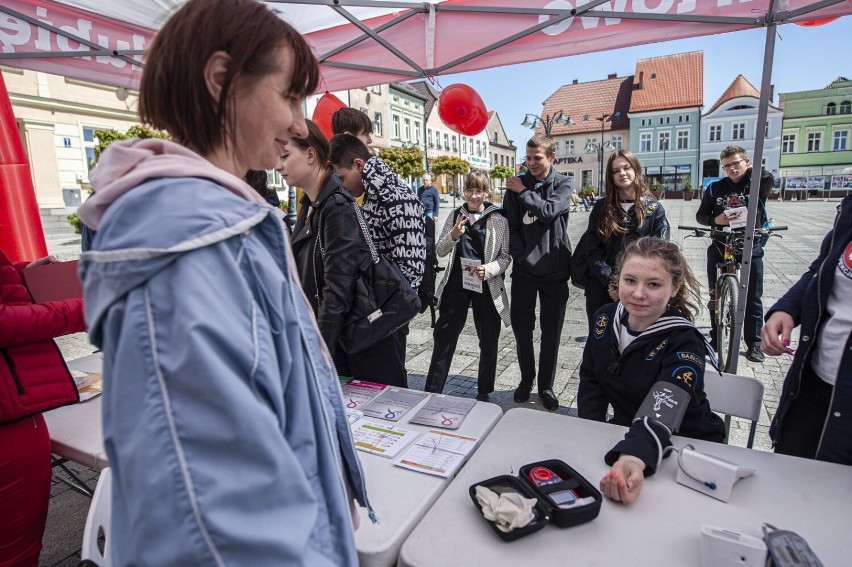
{"type": "Point", "coordinates": [399, 496]}
{"type": "Point", "coordinates": [402, 497]}
{"type": "Point", "coordinates": [661, 528]}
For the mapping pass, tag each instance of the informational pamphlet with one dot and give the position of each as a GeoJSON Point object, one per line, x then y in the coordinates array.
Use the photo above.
{"type": "Point", "coordinates": [89, 384]}
{"type": "Point", "coordinates": [437, 452]}
{"type": "Point", "coordinates": [381, 439]}
{"type": "Point", "coordinates": [470, 280]}
{"type": "Point", "coordinates": [353, 415]}
{"type": "Point", "coordinates": [737, 217]}
{"type": "Point", "coordinates": [393, 403]}
{"type": "Point", "coordinates": [443, 411]}
{"type": "Point", "coordinates": [357, 393]}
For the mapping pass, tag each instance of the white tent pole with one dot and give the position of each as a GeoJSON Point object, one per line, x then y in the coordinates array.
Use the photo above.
{"type": "Point", "coordinates": [754, 185]}
{"type": "Point", "coordinates": [430, 37]}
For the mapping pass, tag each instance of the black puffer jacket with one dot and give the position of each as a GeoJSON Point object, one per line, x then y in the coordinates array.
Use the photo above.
{"type": "Point", "coordinates": [328, 276]}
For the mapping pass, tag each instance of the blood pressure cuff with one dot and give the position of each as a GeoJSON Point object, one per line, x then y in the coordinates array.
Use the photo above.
{"type": "Point", "coordinates": [665, 404]}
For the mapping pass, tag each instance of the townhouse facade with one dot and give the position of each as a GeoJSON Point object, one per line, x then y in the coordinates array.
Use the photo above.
{"type": "Point", "coordinates": [502, 150]}
{"type": "Point", "coordinates": [732, 120]}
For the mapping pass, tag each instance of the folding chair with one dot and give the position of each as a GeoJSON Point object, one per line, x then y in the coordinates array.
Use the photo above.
{"type": "Point", "coordinates": [100, 514]}
{"type": "Point", "coordinates": [735, 395]}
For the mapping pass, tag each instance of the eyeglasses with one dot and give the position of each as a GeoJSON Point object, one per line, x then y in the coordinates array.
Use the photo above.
{"type": "Point", "coordinates": [469, 191]}
{"type": "Point", "coordinates": [728, 166]}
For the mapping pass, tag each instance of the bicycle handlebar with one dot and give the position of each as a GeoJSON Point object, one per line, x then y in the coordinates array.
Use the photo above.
{"type": "Point", "coordinates": [700, 230]}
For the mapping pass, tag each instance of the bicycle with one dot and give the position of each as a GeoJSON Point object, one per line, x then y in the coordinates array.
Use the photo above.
{"type": "Point", "coordinates": [725, 293]}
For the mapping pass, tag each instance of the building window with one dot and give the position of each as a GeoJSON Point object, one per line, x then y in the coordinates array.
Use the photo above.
{"type": "Point", "coordinates": [831, 108]}
{"type": "Point", "coordinates": [89, 143]}
{"type": "Point", "coordinates": [617, 142]}
{"type": "Point", "coordinates": [683, 140]}
{"type": "Point", "coordinates": [377, 123]}
{"type": "Point", "coordinates": [645, 142]}
{"type": "Point", "coordinates": [814, 141]}
{"type": "Point", "coordinates": [569, 147]}
{"type": "Point", "coordinates": [556, 146]}
{"type": "Point", "coordinates": [407, 124]}
{"type": "Point", "coordinates": [788, 144]}
{"type": "Point", "coordinates": [716, 133]}
{"type": "Point", "coordinates": [846, 107]}
{"type": "Point", "coordinates": [663, 143]}
{"type": "Point", "coordinates": [377, 89]}
{"type": "Point", "coordinates": [586, 176]}
{"type": "Point", "coordinates": [841, 141]}
{"type": "Point", "coordinates": [766, 130]}
{"type": "Point", "coordinates": [365, 111]}
{"type": "Point", "coordinates": [464, 145]}
{"type": "Point", "coordinates": [396, 133]}
{"type": "Point", "coordinates": [739, 131]}
{"type": "Point", "coordinates": [417, 132]}
{"type": "Point", "coordinates": [429, 137]}
{"type": "Point", "coordinates": [494, 138]}
{"type": "Point", "coordinates": [446, 141]}
{"type": "Point", "coordinates": [478, 148]}
{"type": "Point", "coordinates": [455, 145]}
{"type": "Point", "coordinates": [661, 119]}
{"type": "Point", "coordinates": [406, 102]}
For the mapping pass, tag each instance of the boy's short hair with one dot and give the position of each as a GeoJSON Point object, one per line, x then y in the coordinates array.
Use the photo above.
{"type": "Point", "coordinates": [542, 142]}
{"type": "Point", "coordinates": [731, 151]}
{"type": "Point", "coordinates": [350, 120]}
{"type": "Point", "coordinates": [345, 148]}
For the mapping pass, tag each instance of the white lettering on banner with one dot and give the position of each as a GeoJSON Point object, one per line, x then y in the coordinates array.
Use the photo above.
{"type": "Point", "coordinates": [17, 35]}
{"type": "Point", "coordinates": [636, 6]}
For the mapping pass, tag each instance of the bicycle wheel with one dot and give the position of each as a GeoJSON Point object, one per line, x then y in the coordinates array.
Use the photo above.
{"type": "Point", "coordinates": [726, 314]}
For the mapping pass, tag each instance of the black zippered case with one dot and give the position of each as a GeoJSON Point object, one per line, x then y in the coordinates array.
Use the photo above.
{"type": "Point", "coordinates": [533, 483]}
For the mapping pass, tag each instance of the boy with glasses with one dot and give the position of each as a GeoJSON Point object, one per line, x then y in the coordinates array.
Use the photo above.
{"type": "Point", "coordinates": [728, 193]}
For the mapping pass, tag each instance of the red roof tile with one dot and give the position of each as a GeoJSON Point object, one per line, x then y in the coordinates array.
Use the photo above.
{"type": "Point", "coordinates": [592, 99]}
{"type": "Point", "coordinates": [668, 82]}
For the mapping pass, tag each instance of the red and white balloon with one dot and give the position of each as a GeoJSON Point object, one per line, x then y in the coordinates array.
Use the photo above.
{"type": "Point", "coordinates": [462, 110]}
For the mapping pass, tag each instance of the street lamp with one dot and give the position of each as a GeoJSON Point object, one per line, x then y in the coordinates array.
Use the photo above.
{"type": "Point", "coordinates": [547, 122]}
{"type": "Point", "coordinates": [593, 147]}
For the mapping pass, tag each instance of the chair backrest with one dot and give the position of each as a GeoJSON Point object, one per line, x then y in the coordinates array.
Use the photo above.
{"type": "Point", "coordinates": [100, 514]}
{"type": "Point", "coordinates": [735, 395]}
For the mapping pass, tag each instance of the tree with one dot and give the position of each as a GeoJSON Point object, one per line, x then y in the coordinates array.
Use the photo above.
{"type": "Point", "coordinates": [501, 172]}
{"type": "Point", "coordinates": [406, 161]}
{"type": "Point", "coordinates": [452, 166]}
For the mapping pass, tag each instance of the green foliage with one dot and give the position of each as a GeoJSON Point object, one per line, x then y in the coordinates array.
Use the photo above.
{"type": "Point", "coordinates": [106, 137]}
{"type": "Point", "coordinates": [501, 172]}
{"type": "Point", "coordinates": [587, 190]}
{"type": "Point", "coordinates": [450, 165]}
{"type": "Point", "coordinates": [74, 221]}
{"type": "Point", "coordinates": [657, 188]}
{"type": "Point", "coordinates": [406, 161]}
{"type": "Point", "coordinates": [687, 187]}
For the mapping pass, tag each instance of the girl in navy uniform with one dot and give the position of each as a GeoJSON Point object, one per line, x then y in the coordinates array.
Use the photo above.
{"type": "Point", "coordinates": [646, 339]}
{"type": "Point", "coordinates": [475, 231]}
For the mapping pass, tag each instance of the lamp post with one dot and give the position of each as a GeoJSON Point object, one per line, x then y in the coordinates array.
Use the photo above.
{"type": "Point", "coordinates": [547, 122]}
{"type": "Point", "coordinates": [593, 147]}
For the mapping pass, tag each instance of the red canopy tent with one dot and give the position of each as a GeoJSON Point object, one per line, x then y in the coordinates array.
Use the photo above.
{"type": "Point", "coordinates": [367, 42]}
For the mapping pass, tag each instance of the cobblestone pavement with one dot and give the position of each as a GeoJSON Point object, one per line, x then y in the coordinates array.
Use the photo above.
{"type": "Point", "coordinates": [785, 260]}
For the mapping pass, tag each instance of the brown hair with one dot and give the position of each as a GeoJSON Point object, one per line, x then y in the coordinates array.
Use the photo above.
{"type": "Point", "coordinates": [352, 121]}
{"type": "Point", "coordinates": [478, 179]}
{"type": "Point", "coordinates": [688, 298]}
{"type": "Point", "coordinates": [316, 140]}
{"type": "Point", "coordinates": [731, 151]}
{"type": "Point", "coordinates": [173, 95]}
{"type": "Point", "coordinates": [613, 220]}
{"type": "Point", "coordinates": [544, 143]}
{"type": "Point", "coordinates": [345, 148]}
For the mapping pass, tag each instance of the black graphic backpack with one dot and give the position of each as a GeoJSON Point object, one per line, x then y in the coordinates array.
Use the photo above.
{"type": "Point", "coordinates": [430, 274]}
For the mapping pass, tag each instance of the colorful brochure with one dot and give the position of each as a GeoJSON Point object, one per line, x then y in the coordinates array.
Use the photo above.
{"type": "Point", "coordinates": [356, 393]}
{"type": "Point", "coordinates": [393, 403]}
{"type": "Point", "coordinates": [381, 439]}
{"type": "Point", "coordinates": [444, 411]}
{"type": "Point", "coordinates": [440, 453]}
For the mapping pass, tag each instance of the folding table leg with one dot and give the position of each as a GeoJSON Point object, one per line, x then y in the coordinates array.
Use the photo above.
{"type": "Point", "coordinates": [75, 483]}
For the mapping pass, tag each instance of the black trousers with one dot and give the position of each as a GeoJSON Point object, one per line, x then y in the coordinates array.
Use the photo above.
{"type": "Point", "coordinates": [802, 426]}
{"type": "Point", "coordinates": [753, 321]}
{"type": "Point", "coordinates": [452, 315]}
{"type": "Point", "coordinates": [384, 362]}
{"type": "Point", "coordinates": [553, 296]}
{"type": "Point", "coordinates": [596, 297]}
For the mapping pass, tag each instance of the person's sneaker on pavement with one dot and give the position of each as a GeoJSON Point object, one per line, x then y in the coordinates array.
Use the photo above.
{"type": "Point", "coordinates": [522, 392]}
{"type": "Point", "coordinates": [482, 397]}
{"type": "Point", "coordinates": [549, 400]}
{"type": "Point", "coordinates": [753, 354]}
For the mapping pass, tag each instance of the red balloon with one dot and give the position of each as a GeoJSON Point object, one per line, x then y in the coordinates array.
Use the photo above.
{"type": "Point", "coordinates": [326, 106]}
{"type": "Point", "coordinates": [462, 110]}
{"type": "Point", "coordinates": [816, 21]}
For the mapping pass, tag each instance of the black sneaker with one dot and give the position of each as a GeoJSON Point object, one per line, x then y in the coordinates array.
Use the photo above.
{"type": "Point", "coordinates": [754, 355]}
{"type": "Point", "coordinates": [549, 400]}
{"type": "Point", "coordinates": [482, 397]}
{"type": "Point", "coordinates": [522, 392]}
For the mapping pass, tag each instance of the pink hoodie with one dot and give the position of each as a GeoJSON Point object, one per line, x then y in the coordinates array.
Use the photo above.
{"type": "Point", "coordinates": [129, 163]}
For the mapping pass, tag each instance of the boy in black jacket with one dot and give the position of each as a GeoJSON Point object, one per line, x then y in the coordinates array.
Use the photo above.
{"type": "Point", "coordinates": [537, 207]}
{"type": "Point", "coordinates": [729, 192]}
